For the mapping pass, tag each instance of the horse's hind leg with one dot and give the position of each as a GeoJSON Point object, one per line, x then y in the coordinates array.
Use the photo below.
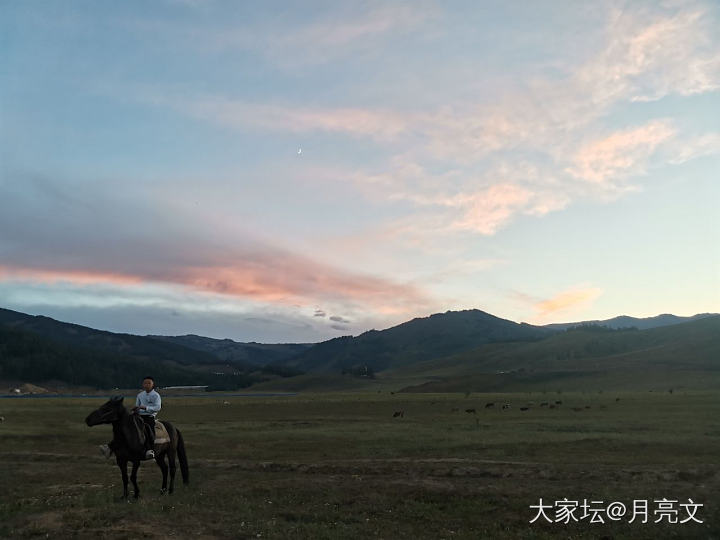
{"type": "Point", "coordinates": [160, 460]}
{"type": "Point", "coordinates": [133, 477]}
{"type": "Point", "coordinates": [171, 461]}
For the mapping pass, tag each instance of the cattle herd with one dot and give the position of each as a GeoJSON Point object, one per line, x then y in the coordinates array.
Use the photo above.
{"type": "Point", "coordinates": [505, 406]}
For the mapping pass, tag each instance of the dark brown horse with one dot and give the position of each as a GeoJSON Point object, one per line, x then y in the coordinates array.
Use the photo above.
{"type": "Point", "coordinates": [128, 433]}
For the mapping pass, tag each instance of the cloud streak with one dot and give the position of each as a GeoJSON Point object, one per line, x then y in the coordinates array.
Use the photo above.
{"type": "Point", "coordinates": [621, 154]}
{"type": "Point", "coordinates": [553, 122]}
{"type": "Point", "coordinates": [187, 250]}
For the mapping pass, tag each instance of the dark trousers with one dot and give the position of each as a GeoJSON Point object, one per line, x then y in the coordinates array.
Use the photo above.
{"type": "Point", "coordinates": [149, 431]}
{"type": "Point", "coordinates": [149, 434]}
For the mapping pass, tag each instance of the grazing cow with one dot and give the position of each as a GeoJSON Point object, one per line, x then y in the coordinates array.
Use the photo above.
{"type": "Point", "coordinates": [470, 411]}
{"type": "Point", "coordinates": [524, 408]}
{"type": "Point", "coordinates": [488, 405]}
{"type": "Point", "coordinates": [506, 406]}
{"type": "Point", "coordinates": [544, 404]}
{"type": "Point", "coordinates": [558, 402]}
{"type": "Point", "coordinates": [617, 399]}
{"type": "Point", "coordinates": [401, 414]}
{"type": "Point", "coordinates": [2, 418]}
{"type": "Point", "coordinates": [226, 403]}
{"type": "Point", "coordinates": [587, 406]}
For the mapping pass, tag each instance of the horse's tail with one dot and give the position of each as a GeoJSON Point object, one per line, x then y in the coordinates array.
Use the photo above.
{"type": "Point", "coordinates": [182, 457]}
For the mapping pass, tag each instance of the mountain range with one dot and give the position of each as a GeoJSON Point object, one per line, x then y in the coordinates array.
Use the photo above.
{"type": "Point", "coordinates": [454, 351]}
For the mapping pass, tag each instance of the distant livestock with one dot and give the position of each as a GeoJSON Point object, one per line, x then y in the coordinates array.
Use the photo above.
{"type": "Point", "coordinates": [470, 411]}
{"type": "Point", "coordinates": [524, 408]}
{"type": "Point", "coordinates": [544, 404]}
{"type": "Point", "coordinates": [401, 414]}
{"type": "Point", "coordinates": [2, 418]}
{"type": "Point", "coordinates": [558, 402]}
{"type": "Point", "coordinates": [488, 405]}
{"type": "Point", "coordinates": [226, 403]}
{"type": "Point", "coordinates": [506, 406]}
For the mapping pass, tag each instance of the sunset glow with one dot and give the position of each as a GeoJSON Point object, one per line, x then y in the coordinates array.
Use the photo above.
{"type": "Point", "coordinates": [298, 172]}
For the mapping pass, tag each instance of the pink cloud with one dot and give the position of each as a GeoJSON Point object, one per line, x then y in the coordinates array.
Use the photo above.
{"type": "Point", "coordinates": [239, 114]}
{"type": "Point", "coordinates": [620, 154]}
{"type": "Point", "coordinates": [567, 301]}
{"type": "Point", "coordinates": [489, 209]}
{"type": "Point", "coordinates": [77, 277]}
{"type": "Point", "coordinates": [271, 276]}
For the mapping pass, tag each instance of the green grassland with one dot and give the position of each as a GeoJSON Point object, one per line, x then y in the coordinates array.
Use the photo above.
{"type": "Point", "coordinates": [339, 465]}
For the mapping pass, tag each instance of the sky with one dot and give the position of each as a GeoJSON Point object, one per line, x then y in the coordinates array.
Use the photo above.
{"type": "Point", "coordinates": [296, 171]}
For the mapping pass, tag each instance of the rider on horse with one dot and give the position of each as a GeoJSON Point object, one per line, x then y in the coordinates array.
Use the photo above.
{"type": "Point", "coordinates": [147, 405]}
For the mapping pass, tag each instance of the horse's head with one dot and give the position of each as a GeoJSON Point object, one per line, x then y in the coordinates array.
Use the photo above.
{"type": "Point", "coordinates": [108, 413]}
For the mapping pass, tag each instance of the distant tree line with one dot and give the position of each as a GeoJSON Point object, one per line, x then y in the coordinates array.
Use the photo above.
{"type": "Point", "coordinates": [600, 329]}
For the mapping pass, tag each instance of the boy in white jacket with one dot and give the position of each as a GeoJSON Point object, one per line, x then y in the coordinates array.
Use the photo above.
{"type": "Point", "coordinates": [147, 405]}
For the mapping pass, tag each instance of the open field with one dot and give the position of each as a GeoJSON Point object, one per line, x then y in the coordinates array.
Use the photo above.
{"type": "Point", "coordinates": [340, 466]}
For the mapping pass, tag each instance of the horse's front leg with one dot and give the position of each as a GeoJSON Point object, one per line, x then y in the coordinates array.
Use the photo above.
{"type": "Point", "coordinates": [133, 477]}
{"type": "Point", "coordinates": [160, 460]}
{"type": "Point", "coordinates": [123, 471]}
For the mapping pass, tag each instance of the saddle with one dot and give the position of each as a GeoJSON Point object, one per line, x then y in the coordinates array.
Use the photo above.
{"type": "Point", "coordinates": [161, 434]}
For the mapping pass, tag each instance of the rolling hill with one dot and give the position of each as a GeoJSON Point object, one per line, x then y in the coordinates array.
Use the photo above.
{"type": "Point", "coordinates": [592, 358]}
{"type": "Point", "coordinates": [37, 349]}
{"type": "Point", "coordinates": [623, 321]}
{"type": "Point", "coordinates": [420, 339]}
{"type": "Point", "coordinates": [75, 335]}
